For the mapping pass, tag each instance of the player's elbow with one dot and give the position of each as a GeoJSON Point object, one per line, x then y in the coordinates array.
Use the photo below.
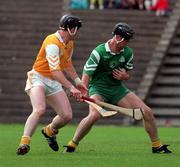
{"type": "Point", "coordinates": [55, 74]}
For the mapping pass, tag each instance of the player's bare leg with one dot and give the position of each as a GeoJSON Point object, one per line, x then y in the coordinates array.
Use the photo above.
{"type": "Point", "coordinates": [86, 125]}
{"type": "Point", "coordinates": [39, 107]}
{"type": "Point", "coordinates": [133, 101]}
{"type": "Point", "coordinates": [61, 105]}
{"type": "Point", "coordinates": [83, 129]}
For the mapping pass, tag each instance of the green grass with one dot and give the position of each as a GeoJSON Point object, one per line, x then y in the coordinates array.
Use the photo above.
{"type": "Point", "coordinates": [105, 146]}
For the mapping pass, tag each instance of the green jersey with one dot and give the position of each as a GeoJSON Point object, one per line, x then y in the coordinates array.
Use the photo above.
{"type": "Point", "coordinates": [102, 62]}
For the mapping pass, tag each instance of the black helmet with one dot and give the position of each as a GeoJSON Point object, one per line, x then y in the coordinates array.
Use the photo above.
{"type": "Point", "coordinates": [124, 30]}
{"type": "Point", "coordinates": [68, 21]}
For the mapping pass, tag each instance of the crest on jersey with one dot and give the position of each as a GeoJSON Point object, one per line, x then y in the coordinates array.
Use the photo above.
{"type": "Point", "coordinates": [122, 59]}
{"type": "Point", "coordinates": [113, 64]}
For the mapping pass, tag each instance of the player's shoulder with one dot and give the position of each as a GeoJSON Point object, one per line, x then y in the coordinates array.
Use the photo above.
{"type": "Point", "coordinates": [100, 47]}
{"type": "Point", "coordinates": [51, 38]}
{"type": "Point", "coordinates": [55, 39]}
{"type": "Point", "coordinates": [128, 49]}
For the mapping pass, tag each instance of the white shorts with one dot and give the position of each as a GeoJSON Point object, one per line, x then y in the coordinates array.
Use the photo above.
{"type": "Point", "coordinates": [36, 79]}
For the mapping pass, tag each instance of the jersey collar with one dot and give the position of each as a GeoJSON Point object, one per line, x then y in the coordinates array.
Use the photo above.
{"type": "Point", "coordinates": [109, 50]}
{"type": "Point", "coordinates": [59, 37]}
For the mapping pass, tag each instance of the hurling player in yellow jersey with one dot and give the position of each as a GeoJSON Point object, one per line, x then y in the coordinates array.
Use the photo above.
{"type": "Point", "coordinates": [45, 82]}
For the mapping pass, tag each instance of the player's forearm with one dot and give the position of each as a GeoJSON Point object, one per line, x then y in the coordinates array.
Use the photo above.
{"type": "Point", "coordinates": [85, 80]}
{"type": "Point", "coordinates": [71, 72]}
{"type": "Point", "coordinates": [59, 76]}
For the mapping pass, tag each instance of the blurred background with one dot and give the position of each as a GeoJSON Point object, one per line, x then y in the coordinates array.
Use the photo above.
{"type": "Point", "coordinates": [156, 75]}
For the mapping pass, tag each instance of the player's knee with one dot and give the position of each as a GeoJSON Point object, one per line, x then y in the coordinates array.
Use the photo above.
{"type": "Point", "coordinates": [148, 114]}
{"type": "Point", "coordinates": [94, 116]}
{"type": "Point", "coordinates": [67, 117]}
{"type": "Point", "coordinates": [40, 111]}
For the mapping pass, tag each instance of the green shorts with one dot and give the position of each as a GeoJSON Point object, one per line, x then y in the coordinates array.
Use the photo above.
{"type": "Point", "coordinates": [109, 94]}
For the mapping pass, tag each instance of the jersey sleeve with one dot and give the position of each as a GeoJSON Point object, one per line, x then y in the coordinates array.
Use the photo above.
{"type": "Point", "coordinates": [52, 56]}
{"type": "Point", "coordinates": [129, 63]}
{"type": "Point", "coordinates": [92, 63]}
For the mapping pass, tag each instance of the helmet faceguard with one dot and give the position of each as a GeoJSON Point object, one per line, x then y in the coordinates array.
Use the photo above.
{"type": "Point", "coordinates": [124, 30]}
{"type": "Point", "coordinates": [67, 22]}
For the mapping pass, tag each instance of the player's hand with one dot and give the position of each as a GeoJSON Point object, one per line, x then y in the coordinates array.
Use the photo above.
{"type": "Point", "coordinates": [75, 93]}
{"type": "Point", "coordinates": [82, 88]}
{"type": "Point", "coordinates": [120, 74]}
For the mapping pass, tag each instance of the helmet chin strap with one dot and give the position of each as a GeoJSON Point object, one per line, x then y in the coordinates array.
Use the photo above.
{"type": "Point", "coordinates": [72, 33]}
{"type": "Point", "coordinates": [117, 42]}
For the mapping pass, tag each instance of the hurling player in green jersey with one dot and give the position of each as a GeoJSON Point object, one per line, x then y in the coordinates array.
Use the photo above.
{"type": "Point", "coordinates": [108, 66]}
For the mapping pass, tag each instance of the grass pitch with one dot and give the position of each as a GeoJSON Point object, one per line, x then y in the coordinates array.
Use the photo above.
{"type": "Point", "coordinates": [105, 146]}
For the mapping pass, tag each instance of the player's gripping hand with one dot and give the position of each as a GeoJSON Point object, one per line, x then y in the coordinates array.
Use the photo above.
{"type": "Point", "coordinates": [75, 92]}
{"type": "Point", "coordinates": [81, 86]}
{"type": "Point", "coordinates": [120, 74]}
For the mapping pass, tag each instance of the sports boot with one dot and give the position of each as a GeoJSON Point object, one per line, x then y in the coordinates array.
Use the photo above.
{"type": "Point", "coordinates": [70, 148]}
{"type": "Point", "coordinates": [51, 141]}
{"type": "Point", "coordinates": [23, 149]}
{"type": "Point", "coordinates": [161, 150]}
